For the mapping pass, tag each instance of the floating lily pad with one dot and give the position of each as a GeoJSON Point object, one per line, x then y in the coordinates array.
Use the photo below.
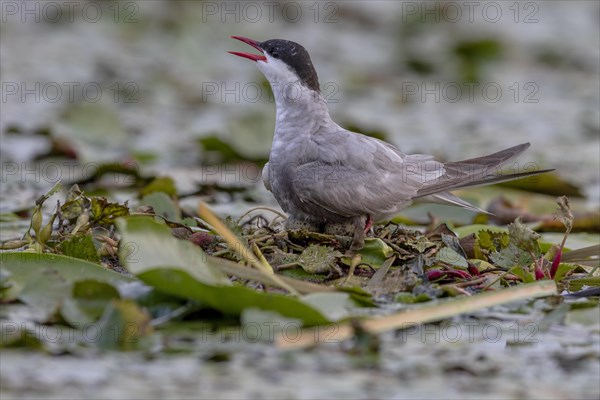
{"type": "Point", "coordinates": [87, 301]}
{"type": "Point", "coordinates": [179, 268]}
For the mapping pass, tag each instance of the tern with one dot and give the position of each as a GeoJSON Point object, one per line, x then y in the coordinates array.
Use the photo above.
{"type": "Point", "coordinates": [324, 176]}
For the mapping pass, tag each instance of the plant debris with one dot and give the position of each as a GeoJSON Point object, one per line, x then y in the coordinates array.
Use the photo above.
{"type": "Point", "coordinates": [93, 261]}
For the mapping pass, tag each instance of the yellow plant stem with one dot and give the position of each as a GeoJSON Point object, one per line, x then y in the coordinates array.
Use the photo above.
{"type": "Point", "coordinates": [335, 333]}
{"type": "Point", "coordinates": [239, 247]}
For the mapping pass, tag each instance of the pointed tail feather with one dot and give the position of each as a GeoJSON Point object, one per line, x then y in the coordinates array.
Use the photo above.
{"type": "Point", "coordinates": [467, 181]}
{"type": "Point", "coordinates": [493, 160]}
{"type": "Point", "coordinates": [477, 171]}
{"type": "Point", "coordinates": [502, 178]}
{"type": "Point", "coordinates": [446, 198]}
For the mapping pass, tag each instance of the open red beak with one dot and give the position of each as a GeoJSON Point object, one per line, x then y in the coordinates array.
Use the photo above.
{"type": "Point", "coordinates": [250, 56]}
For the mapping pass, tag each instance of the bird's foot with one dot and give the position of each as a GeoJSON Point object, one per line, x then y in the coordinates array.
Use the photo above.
{"type": "Point", "coordinates": [358, 239]}
{"type": "Point", "coordinates": [358, 242]}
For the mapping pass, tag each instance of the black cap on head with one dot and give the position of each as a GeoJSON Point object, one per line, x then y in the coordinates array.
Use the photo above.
{"type": "Point", "coordinates": [296, 57]}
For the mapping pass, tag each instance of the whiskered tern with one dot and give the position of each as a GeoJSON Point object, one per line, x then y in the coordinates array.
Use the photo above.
{"type": "Point", "coordinates": [324, 176]}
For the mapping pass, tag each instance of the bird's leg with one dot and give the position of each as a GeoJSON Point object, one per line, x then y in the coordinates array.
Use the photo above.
{"type": "Point", "coordinates": [358, 242]}
{"type": "Point", "coordinates": [358, 239]}
{"type": "Point", "coordinates": [369, 223]}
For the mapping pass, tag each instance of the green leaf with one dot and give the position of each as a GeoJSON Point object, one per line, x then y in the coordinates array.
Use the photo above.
{"type": "Point", "coordinates": [104, 212]}
{"type": "Point", "coordinates": [549, 183]}
{"type": "Point", "coordinates": [147, 245]}
{"type": "Point", "coordinates": [482, 265]}
{"type": "Point", "coordinates": [116, 171]}
{"type": "Point", "coordinates": [317, 259]}
{"type": "Point", "coordinates": [374, 253]}
{"type": "Point", "coordinates": [230, 300]}
{"type": "Point", "coordinates": [452, 242]}
{"type": "Point", "coordinates": [45, 281]}
{"type": "Point", "coordinates": [409, 298]}
{"type": "Point", "coordinates": [334, 305]}
{"type": "Point", "coordinates": [47, 278]}
{"type": "Point", "coordinates": [451, 257]}
{"type": "Point", "coordinates": [248, 144]}
{"type": "Point", "coordinates": [179, 268]}
{"type": "Point", "coordinates": [577, 284]}
{"type": "Point", "coordinates": [44, 290]}
{"type": "Point", "coordinates": [421, 244]}
{"type": "Point", "coordinates": [22, 265]}
{"type": "Point", "coordinates": [510, 257]}
{"type": "Point", "coordinates": [20, 337]}
{"type": "Point", "coordinates": [359, 295]}
{"type": "Point", "coordinates": [575, 241]}
{"type": "Point", "coordinates": [493, 241]}
{"type": "Point", "coordinates": [162, 184]}
{"type": "Point", "coordinates": [588, 316]}
{"type": "Point", "coordinates": [563, 270]}
{"type": "Point", "coordinates": [191, 222]}
{"type": "Point", "coordinates": [525, 275]}
{"type": "Point", "coordinates": [80, 246]}
{"type": "Point", "coordinates": [87, 302]}
{"type": "Point", "coordinates": [75, 203]}
{"type": "Point", "coordinates": [122, 326]}
{"type": "Point", "coordinates": [299, 273]}
{"type": "Point", "coordinates": [477, 228]}
{"type": "Point", "coordinates": [163, 205]}
{"type": "Point", "coordinates": [523, 237]}
{"type": "Point", "coordinates": [514, 249]}
{"type": "Point", "coordinates": [215, 145]}
{"type": "Point", "coordinates": [473, 53]}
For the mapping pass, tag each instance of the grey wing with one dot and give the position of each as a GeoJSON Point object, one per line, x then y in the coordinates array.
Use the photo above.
{"type": "Point", "coordinates": [357, 175]}
{"type": "Point", "coordinates": [266, 178]}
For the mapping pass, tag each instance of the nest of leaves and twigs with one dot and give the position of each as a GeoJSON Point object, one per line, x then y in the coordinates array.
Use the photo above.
{"type": "Point", "coordinates": [92, 261]}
